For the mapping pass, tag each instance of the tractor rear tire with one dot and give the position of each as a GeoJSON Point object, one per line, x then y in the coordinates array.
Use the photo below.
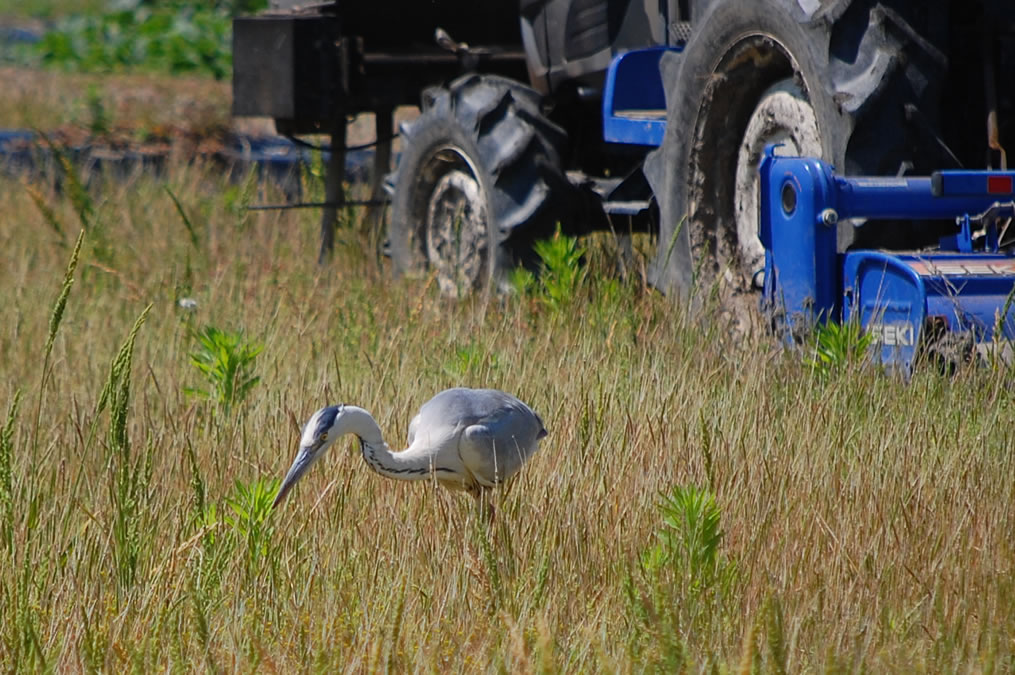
{"type": "Point", "coordinates": [755, 73]}
{"type": "Point", "coordinates": [479, 180]}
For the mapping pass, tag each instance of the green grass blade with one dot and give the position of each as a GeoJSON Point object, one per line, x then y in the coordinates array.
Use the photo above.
{"type": "Point", "coordinates": [183, 216]}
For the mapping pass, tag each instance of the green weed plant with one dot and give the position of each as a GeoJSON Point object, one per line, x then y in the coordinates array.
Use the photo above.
{"type": "Point", "coordinates": [561, 272]}
{"type": "Point", "coordinates": [249, 516]}
{"type": "Point", "coordinates": [682, 586]}
{"type": "Point", "coordinates": [838, 345]}
{"type": "Point", "coordinates": [226, 360]}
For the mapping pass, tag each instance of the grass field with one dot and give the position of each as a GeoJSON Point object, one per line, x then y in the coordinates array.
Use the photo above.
{"type": "Point", "coordinates": [866, 523]}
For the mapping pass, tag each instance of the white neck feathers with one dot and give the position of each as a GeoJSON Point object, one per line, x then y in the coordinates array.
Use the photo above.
{"type": "Point", "coordinates": [376, 453]}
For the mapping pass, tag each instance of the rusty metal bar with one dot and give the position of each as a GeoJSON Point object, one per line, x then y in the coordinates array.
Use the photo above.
{"type": "Point", "coordinates": [990, 92]}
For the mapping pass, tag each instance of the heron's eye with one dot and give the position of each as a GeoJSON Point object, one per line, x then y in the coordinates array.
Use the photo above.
{"type": "Point", "coordinates": [323, 437]}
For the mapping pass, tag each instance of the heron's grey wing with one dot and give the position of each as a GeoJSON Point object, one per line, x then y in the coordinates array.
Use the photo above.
{"type": "Point", "coordinates": [494, 447]}
{"type": "Point", "coordinates": [461, 407]}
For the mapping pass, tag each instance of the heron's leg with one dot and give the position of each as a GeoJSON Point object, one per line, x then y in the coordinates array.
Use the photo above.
{"type": "Point", "coordinates": [486, 506]}
{"type": "Point", "coordinates": [484, 501]}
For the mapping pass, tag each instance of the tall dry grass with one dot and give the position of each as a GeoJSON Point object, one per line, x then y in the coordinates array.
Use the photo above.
{"type": "Point", "coordinates": [867, 522]}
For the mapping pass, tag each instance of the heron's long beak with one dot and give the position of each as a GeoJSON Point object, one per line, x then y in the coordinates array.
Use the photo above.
{"type": "Point", "coordinates": [304, 459]}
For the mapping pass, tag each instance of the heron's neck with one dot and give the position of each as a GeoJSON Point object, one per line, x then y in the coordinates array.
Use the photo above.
{"type": "Point", "coordinates": [377, 454]}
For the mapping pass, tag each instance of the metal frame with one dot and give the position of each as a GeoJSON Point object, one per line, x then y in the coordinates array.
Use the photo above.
{"type": "Point", "coordinates": [966, 285]}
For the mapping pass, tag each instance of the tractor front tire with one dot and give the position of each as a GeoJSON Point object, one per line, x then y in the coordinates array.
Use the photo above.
{"type": "Point", "coordinates": [478, 181]}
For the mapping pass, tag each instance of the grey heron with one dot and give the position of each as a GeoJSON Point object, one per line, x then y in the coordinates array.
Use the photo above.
{"type": "Point", "coordinates": [465, 439]}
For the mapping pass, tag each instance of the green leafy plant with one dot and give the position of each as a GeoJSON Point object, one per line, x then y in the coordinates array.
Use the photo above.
{"type": "Point", "coordinates": [682, 585]}
{"type": "Point", "coordinates": [690, 535]}
{"type": "Point", "coordinates": [837, 345]}
{"type": "Point", "coordinates": [560, 271]}
{"type": "Point", "coordinates": [170, 36]}
{"type": "Point", "coordinates": [250, 508]}
{"type": "Point", "coordinates": [523, 281]}
{"type": "Point", "coordinates": [227, 362]}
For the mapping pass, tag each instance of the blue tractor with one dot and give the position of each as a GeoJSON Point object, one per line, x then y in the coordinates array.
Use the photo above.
{"type": "Point", "coordinates": [636, 116]}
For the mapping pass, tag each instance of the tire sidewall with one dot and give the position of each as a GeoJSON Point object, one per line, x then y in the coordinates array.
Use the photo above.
{"type": "Point", "coordinates": [432, 131]}
{"type": "Point", "coordinates": [513, 150]}
{"type": "Point", "coordinates": [806, 40]}
{"type": "Point", "coordinates": [690, 118]}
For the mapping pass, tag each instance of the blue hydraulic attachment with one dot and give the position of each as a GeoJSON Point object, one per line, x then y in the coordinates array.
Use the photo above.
{"type": "Point", "coordinates": [962, 290]}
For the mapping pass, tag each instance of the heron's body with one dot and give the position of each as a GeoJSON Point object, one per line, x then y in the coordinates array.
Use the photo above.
{"type": "Point", "coordinates": [465, 439]}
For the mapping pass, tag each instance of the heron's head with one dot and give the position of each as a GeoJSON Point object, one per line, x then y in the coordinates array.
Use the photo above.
{"type": "Point", "coordinates": [323, 428]}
